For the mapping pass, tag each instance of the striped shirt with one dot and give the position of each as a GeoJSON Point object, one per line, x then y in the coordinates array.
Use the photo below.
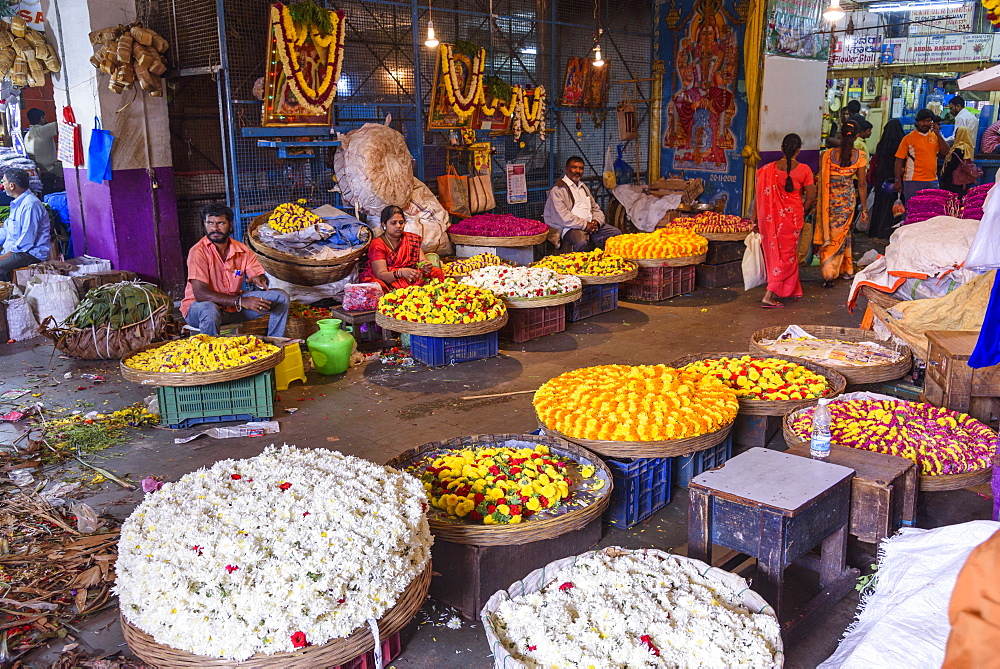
{"type": "Point", "coordinates": [991, 138]}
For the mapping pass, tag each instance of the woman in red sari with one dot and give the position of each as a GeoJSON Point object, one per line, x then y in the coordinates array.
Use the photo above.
{"type": "Point", "coordinates": [785, 191]}
{"type": "Point", "coordinates": [395, 258]}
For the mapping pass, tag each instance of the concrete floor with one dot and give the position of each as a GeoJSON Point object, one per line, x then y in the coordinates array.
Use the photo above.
{"type": "Point", "coordinates": [376, 411]}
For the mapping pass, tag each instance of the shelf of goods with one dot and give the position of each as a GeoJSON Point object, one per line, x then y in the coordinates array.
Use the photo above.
{"type": "Point", "coordinates": [855, 374]}
{"type": "Point", "coordinates": [933, 437]}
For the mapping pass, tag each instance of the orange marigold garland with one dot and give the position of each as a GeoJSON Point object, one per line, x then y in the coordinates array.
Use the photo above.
{"type": "Point", "coordinates": [289, 37]}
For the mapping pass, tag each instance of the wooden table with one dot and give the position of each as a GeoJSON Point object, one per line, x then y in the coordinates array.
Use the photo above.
{"type": "Point", "coordinates": [883, 491]}
{"type": "Point", "coordinates": [777, 507]}
{"type": "Point", "coordinates": [951, 383]}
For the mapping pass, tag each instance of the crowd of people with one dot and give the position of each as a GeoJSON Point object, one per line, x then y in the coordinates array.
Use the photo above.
{"type": "Point", "coordinates": [836, 198]}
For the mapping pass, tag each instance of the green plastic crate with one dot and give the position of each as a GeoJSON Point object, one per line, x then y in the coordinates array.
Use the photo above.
{"type": "Point", "coordinates": [184, 406]}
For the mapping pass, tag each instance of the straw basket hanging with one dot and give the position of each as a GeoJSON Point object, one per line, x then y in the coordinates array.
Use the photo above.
{"type": "Point", "coordinates": [331, 654]}
{"type": "Point", "coordinates": [181, 379]}
{"type": "Point", "coordinates": [927, 483]}
{"type": "Point", "coordinates": [104, 343]}
{"type": "Point", "coordinates": [855, 375]}
{"type": "Point", "coordinates": [303, 271]}
{"type": "Point", "coordinates": [533, 529]}
{"type": "Point", "coordinates": [749, 407]}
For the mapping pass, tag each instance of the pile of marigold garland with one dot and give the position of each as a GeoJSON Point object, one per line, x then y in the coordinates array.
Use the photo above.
{"type": "Point", "coordinates": [589, 263]}
{"type": "Point", "coordinates": [442, 302]}
{"type": "Point", "coordinates": [201, 353]}
{"type": "Point", "coordinates": [939, 440]}
{"type": "Point", "coordinates": [664, 243]}
{"type": "Point", "coordinates": [764, 378]}
{"type": "Point", "coordinates": [635, 403]}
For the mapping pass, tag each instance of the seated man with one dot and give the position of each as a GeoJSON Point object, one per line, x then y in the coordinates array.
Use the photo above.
{"type": "Point", "coordinates": [571, 209]}
{"type": "Point", "coordinates": [217, 267]}
{"type": "Point", "coordinates": [25, 236]}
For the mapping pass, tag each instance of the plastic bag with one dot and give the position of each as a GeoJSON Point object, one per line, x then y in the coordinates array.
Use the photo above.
{"type": "Point", "coordinates": [624, 174]}
{"type": "Point", "coordinates": [898, 208]}
{"type": "Point", "coordinates": [361, 296]}
{"type": "Point", "coordinates": [21, 322]}
{"type": "Point", "coordinates": [609, 169]}
{"type": "Point", "coordinates": [754, 273]}
{"type": "Point", "coordinates": [984, 253]}
{"type": "Point", "coordinates": [87, 521]}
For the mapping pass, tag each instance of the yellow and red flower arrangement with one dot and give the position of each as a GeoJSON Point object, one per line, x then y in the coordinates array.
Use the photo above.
{"type": "Point", "coordinates": [586, 263]}
{"type": "Point", "coordinates": [496, 486]}
{"type": "Point", "coordinates": [635, 403]}
{"type": "Point", "coordinates": [764, 378]}
{"type": "Point", "coordinates": [442, 302]}
{"type": "Point", "coordinates": [290, 37]}
{"type": "Point", "coordinates": [662, 243]}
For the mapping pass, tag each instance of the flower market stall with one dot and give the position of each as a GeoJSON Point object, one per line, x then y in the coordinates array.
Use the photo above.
{"type": "Point", "coordinates": [507, 236]}
{"type": "Point", "coordinates": [666, 260]}
{"type": "Point", "coordinates": [599, 272]}
{"type": "Point", "coordinates": [534, 297]}
{"type": "Point", "coordinates": [502, 505]}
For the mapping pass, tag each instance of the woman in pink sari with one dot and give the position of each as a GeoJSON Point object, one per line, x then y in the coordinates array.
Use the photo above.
{"type": "Point", "coordinates": [785, 192]}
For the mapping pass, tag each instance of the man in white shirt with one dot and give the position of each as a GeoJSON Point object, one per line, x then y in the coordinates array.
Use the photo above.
{"type": "Point", "coordinates": [40, 143]}
{"type": "Point", "coordinates": [571, 209]}
{"type": "Point", "coordinates": [962, 117]}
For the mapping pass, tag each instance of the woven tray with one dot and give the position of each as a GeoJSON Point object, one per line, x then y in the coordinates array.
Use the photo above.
{"type": "Point", "coordinates": [773, 407]}
{"type": "Point", "coordinates": [724, 236]}
{"type": "Point", "coordinates": [532, 529]}
{"type": "Point", "coordinates": [177, 379]}
{"type": "Point", "coordinates": [615, 278]}
{"type": "Point", "coordinates": [546, 301]}
{"type": "Point", "coordinates": [646, 449]}
{"type": "Point", "coordinates": [506, 242]}
{"type": "Point", "coordinates": [440, 329]}
{"type": "Point", "coordinates": [331, 654]}
{"type": "Point", "coordinates": [539, 578]}
{"type": "Point", "coordinates": [682, 261]}
{"type": "Point", "coordinates": [927, 483]}
{"type": "Point", "coordinates": [301, 328]}
{"type": "Point", "coordinates": [303, 271]}
{"type": "Point", "coordinates": [885, 300]}
{"type": "Point", "coordinates": [855, 375]}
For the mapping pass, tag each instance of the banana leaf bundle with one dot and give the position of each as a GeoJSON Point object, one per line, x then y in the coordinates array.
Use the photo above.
{"type": "Point", "coordinates": [118, 305]}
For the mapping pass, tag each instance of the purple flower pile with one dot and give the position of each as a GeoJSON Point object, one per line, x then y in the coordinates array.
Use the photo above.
{"type": "Point", "coordinates": [498, 225]}
{"type": "Point", "coordinates": [972, 204]}
{"type": "Point", "coordinates": [940, 441]}
{"type": "Point", "coordinates": [932, 202]}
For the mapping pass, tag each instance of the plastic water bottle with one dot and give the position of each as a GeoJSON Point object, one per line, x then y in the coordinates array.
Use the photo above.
{"type": "Point", "coordinates": [819, 443]}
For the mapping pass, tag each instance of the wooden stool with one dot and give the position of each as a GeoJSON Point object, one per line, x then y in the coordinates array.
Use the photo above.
{"type": "Point", "coordinates": [777, 507]}
{"type": "Point", "coordinates": [358, 318]}
{"type": "Point", "coordinates": [883, 492]}
{"type": "Point", "coordinates": [951, 383]}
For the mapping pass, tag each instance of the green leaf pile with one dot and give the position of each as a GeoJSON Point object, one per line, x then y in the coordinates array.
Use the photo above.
{"type": "Point", "coordinates": [120, 304]}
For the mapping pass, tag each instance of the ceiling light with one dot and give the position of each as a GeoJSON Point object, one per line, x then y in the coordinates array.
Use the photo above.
{"type": "Point", "coordinates": [834, 13]}
{"type": "Point", "coordinates": [431, 39]}
{"type": "Point", "coordinates": [598, 60]}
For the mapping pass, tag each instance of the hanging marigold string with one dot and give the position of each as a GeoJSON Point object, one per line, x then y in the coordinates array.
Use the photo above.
{"type": "Point", "coordinates": [529, 117]}
{"type": "Point", "coordinates": [290, 37]}
{"type": "Point", "coordinates": [463, 99]}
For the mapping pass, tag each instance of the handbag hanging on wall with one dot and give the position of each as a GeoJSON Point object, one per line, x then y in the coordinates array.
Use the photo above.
{"type": "Point", "coordinates": [453, 191]}
{"type": "Point", "coordinates": [481, 193]}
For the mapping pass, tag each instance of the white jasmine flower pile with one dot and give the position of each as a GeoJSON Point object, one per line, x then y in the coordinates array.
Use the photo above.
{"type": "Point", "coordinates": [522, 282]}
{"type": "Point", "coordinates": [641, 609]}
{"type": "Point", "coordinates": [287, 549]}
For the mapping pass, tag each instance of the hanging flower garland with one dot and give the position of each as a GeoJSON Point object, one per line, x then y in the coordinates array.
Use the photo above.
{"type": "Point", "coordinates": [506, 107]}
{"type": "Point", "coordinates": [463, 99]}
{"type": "Point", "coordinates": [529, 117]}
{"type": "Point", "coordinates": [291, 36]}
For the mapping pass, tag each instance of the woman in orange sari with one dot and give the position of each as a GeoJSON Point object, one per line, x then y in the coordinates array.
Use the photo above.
{"type": "Point", "coordinates": [395, 258]}
{"type": "Point", "coordinates": [838, 169]}
{"type": "Point", "coordinates": [785, 191]}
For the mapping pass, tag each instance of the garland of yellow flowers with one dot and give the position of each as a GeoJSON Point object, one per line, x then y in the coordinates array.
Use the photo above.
{"type": "Point", "coordinates": [463, 102]}
{"type": "Point", "coordinates": [532, 120]}
{"type": "Point", "coordinates": [289, 38]}
{"type": "Point", "coordinates": [505, 109]}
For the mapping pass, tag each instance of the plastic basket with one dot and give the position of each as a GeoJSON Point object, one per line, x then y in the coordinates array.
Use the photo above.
{"type": "Point", "coordinates": [391, 649]}
{"type": "Point", "coordinates": [248, 398]}
{"type": "Point", "coordinates": [527, 324]}
{"type": "Point", "coordinates": [686, 467]}
{"type": "Point", "coordinates": [642, 487]}
{"type": "Point", "coordinates": [654, 284]}
{"type": "Point", "coordinates": [596, 299]}
{"type": "Point", "coordinates": [438, 351]}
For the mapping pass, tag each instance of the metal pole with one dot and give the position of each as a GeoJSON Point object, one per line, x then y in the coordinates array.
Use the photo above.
{"type": "Point", "coordinates": [418, 89]}
{"type": "Point", "coordinates": [655, 121]}
{"type": "Point", "coordinates": [227, 116]}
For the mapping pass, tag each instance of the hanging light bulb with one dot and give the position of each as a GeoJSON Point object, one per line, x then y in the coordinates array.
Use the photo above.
{"type": "Point", "coordinates": [834, 13]}
{"type": "Point", "coordinates": [598, 60]}
{"type": "Point", "coordinates": [431, 39]}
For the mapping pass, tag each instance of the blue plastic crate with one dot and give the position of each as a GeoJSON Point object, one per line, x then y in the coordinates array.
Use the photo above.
{"type": "Point", "coordinates": [438, 351]}
{"type": "Point", "coordinates": [596, 299]}
{"type": "Point", "coordinates": [642, 487]}
{"type": "Point", "coordinates": [686, 467]}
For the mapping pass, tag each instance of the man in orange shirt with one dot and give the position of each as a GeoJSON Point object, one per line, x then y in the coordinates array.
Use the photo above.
{"type": "Point", "coordinates": [916, 157]}
{"type": "Point", "coordinates": [217, 268]}
{"type": "Point", "coordinates": [974, 611]}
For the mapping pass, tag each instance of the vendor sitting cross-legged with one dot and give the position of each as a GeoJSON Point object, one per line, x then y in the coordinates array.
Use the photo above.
{"type": "Point", "coordinates": [217, 266]}
{"type": "Point", "coordinates": [395, 258]}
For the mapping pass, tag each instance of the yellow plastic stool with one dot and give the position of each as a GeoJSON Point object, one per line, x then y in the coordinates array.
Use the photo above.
{"type": "Point", "coordinates": [290, 368]}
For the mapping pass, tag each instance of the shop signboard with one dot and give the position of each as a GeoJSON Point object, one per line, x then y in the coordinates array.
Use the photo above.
{"type": "Point", "coordinates": [942, 21]}
{"type": "Point", "coordinates": [857, 51]}
{"type": "Point", "coordinates": [704, 93]}
{"type": "Point", "coordinates": [31, 12]}
{"type": "Point", "coordinates": [934, 49]}
{"type": "Point", "coordinates": [795, 28]}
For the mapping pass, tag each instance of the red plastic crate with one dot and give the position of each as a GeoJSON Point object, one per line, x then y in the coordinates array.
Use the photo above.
{"type": "Point", "coordinates": [391, 649]}
{"type": "Point", "coordinates": [526, 324]}
{"type": "Point", "coordinates": [659, 283]}
{"type": "Point", "coordinates": [596, 299]}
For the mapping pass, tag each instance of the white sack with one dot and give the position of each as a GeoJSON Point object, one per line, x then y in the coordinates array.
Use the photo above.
{"type": "Point", "coordinates": [984, 253]}
{"type": "Point", "coordinates": [374, 168]}
{"type": "Point", "coordinates": [644, 210]}
{"type": "Point", "coordinates": [52, 295]}
{"type": "Point", "coordinates": [930, 247]}
{"type": "Point", "coordinates": [21, 322]}
{"type": "Point", "coordinates": [754, 271]}
{"type": "Point", "coordinates": [311, 294]}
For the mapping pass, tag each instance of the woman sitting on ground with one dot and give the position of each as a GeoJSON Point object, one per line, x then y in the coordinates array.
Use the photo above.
{"type": "Point", "coordinates": [395, 258]}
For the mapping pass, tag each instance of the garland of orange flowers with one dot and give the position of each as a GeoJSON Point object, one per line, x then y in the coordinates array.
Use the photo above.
{"type": "Point", "coordinates": [526, 120]}
{"type": "Point", "coordinates": [289, 37]}
{"type": "Point", "coordinates": [463, 101]}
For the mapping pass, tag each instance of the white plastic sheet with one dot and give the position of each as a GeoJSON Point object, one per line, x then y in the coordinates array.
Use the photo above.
{"type": "Point", "coordinates": [984, 253]}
